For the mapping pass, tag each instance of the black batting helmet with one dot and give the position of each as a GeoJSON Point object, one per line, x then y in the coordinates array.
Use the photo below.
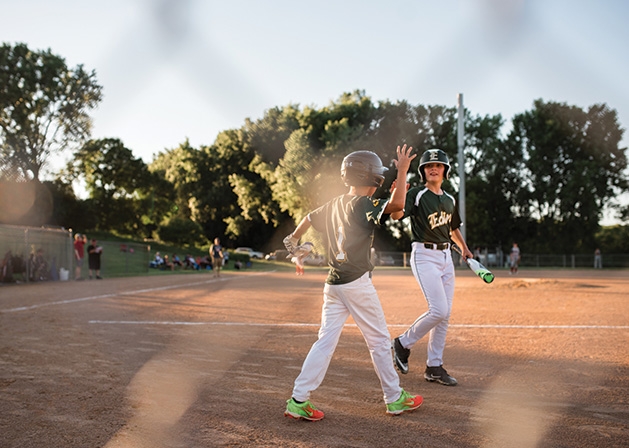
{"type": "Point", "coordinates": [362, 169]}
{"type": "Point", "coordinates": [434, 156]}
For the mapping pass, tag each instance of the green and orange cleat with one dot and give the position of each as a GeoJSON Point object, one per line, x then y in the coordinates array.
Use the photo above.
{"type": "Point", "coordinates": [302, 411]}
{"type": "Point", "coordinates": [405, 403]}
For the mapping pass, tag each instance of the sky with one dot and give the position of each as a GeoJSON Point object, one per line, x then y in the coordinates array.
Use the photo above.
{"type": "Point", "coordinates": [173, 70]}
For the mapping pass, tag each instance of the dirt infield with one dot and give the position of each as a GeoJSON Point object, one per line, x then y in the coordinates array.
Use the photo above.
{"type": "Point", "coordinates": [190, 361]}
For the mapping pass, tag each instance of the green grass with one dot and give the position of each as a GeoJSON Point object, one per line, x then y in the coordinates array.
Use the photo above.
{"type": "Point", "coordinates": [125, 257]}
{"type": "Point", "coordinates": [124, 263]}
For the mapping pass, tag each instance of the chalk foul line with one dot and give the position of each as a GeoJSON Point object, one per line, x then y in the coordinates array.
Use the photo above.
{"type": "Point", "coordinates": [127, 293]}
{"type": "Point", "coordinates": [261, 324]}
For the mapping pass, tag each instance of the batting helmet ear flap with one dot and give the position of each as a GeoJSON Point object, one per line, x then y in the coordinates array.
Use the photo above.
{"type": "Point", "coordinates": [433, 156]}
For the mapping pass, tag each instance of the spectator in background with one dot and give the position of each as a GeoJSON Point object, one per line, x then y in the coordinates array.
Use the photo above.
{"type": "Point", "coordinates": [38, 266]}
{"type": "Point", "coordinates": [514, 259]}
{"type": "Point", "coordinates": [157, 262]}
{"type": "Point", "coordinates": [79, 254]}
{"type": "Point", "coordinates": [598, 259]}
{"type": "Point", "coordinates": [177, 261]}
{"type": "Point", "coordinates": [189, 262]}
{"type": "Point", "coordinates": [216, 252]}
{"type": "Point", "coordinates": [93, 258]}
{"type": "Point", "coordinates": [6, 267]}
{"type": "Point", "coordinates": [205, 262]}
{"type": "Point", "coordinates": [168, 264]}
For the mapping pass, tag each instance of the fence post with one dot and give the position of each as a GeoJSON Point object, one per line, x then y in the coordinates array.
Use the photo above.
{"type": "Point", "coordinates": [27, 256]}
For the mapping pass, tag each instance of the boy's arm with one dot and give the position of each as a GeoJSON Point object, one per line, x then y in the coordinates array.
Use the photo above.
{"type": "Point", "coordinates": [395, 206]}
{"type": "Point", "coordinates": [400, 214]}
{"type": "Point", "coordinates": [457, 236]}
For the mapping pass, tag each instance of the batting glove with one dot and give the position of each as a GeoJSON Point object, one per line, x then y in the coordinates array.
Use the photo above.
{"type": "Point", "coordinates": [290, 242]}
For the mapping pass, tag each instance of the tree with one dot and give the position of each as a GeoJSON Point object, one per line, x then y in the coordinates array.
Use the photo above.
{"type": "Point", "coordinates": [43, 108]}
{"type": "Point", "coordinates": [613, 239]}
{"type": "Point", "coordinates": [492, 182]}
{"type": "Point", "coordinates": [182, 232]}
{"type": "Point", "coordinates": [267, 135]}
{"type": "Point", "coordinates": [119, 185]}
{"type": "Point", "coordinates": [573, 166]}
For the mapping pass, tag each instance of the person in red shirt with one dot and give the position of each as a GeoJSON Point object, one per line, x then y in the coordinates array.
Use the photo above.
{"type": "Point", "coordinates": [79, 254]}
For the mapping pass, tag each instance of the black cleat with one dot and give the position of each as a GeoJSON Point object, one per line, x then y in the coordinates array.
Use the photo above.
{"type": "Point", "coordinates": [400, 354]}
{"type": "Point", "coordinates": [439, 375]}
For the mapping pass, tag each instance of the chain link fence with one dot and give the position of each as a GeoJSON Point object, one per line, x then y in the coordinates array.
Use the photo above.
{"type": "Point", "coordinates": [498, 260]}
{"type": "Point", "coordinates": [33, 254]}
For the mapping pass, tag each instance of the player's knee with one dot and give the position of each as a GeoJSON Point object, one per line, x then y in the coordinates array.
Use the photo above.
{"type": "Point", "coordinates": [439, 314]}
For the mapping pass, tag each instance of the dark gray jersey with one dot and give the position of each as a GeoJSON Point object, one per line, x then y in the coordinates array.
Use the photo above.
{"type": "Point", "coordinates": [347, 223]}
{"type": "Point", "coordinates": [432, 216]}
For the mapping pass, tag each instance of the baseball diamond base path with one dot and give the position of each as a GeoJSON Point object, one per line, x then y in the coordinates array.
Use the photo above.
{"type": "Point", "coordinates": [191, 361]}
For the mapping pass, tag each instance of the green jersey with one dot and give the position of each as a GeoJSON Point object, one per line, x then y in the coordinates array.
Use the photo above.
{"type": "Point", "coordinates": [347, 223]}
{"type": "Point", "coordinates": [433, 216]}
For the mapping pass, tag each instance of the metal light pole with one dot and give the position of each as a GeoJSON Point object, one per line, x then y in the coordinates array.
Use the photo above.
{"type": "Point", "coordinates": [460, 142]}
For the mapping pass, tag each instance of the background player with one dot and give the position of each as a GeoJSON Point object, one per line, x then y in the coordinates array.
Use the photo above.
{"type": "Point", "coordinates": [347, 223]}
{"type": "Point", "coordinates": [218, 257]}
{"type": "Point", "coordinates": [514, 259]}
{"type": "Point", "coordinates": [435, 221]}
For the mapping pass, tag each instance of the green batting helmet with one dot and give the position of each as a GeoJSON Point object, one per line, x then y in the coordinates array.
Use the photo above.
{"type": "Point", "coordinates": [434, 156]}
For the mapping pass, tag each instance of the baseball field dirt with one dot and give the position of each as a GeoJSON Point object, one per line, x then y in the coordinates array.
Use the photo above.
{"type": "Point", "coordinates": [542, 360]}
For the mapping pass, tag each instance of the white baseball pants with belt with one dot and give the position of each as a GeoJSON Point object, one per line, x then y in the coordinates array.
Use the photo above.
{"type": "Point", "coordinates": [360, 300]}
{"type": "Point", "coordinates": [434, 271]}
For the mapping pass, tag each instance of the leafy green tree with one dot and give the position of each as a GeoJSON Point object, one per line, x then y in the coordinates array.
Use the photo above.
{"type": "Point", "coordinates": [68, 211]}
{"type": "Point", "coordinates": [181, 232]}
{"type": "Point", "coordinates": [267, 135]}
{"type": "Point", "coordinates": [216, 188]}
{"type": "Point", "coordinates": [613, 239]}
{"type": "Point", "coordinates": [492, 182]}
{"type": "Point", "coordinates": [44, 108]}
{"type": "Point", "coordinates": [118, 184]}
{"type": "Point", "coordinates": [255, 202]}
{"type": "Point", "coordinates": [182, 168]}
{"type": "Point", "coordinates": [573, 166]}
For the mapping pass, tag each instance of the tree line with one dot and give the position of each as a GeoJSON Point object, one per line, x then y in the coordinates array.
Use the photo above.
{"type": "Point", "coordinates": [544, 183]}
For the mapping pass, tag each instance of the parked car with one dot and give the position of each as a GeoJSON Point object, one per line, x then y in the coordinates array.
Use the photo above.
{"type": "Point", "coordinates": [252, 253]}
{"type": "Point", "coordinates": [278, 255]}
{"type": "Point", "coordinates": [315, 260]}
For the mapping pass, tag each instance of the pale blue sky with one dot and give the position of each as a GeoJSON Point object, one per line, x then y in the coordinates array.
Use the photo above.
{"type": "Point", "coordinates": [177, 69]}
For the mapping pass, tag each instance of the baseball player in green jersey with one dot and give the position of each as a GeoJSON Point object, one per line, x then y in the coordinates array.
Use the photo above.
{"type": "Point", "coordinates": [347, 223]}
{"type": "Point", "coordinates": [435, 221]}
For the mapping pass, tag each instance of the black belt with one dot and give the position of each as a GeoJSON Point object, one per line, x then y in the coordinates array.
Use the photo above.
{"type": "Point", "coordinates": [437, 246]}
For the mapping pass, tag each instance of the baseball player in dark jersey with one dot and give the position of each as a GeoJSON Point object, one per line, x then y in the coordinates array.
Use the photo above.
{"type": "Point", "coordinates": [435, 221]}
{"type": "Point", "coordinates": [347, 223]}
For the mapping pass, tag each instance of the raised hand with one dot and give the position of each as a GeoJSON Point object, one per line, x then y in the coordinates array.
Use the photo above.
{"type": "Point", "coordinates": [404, 158]}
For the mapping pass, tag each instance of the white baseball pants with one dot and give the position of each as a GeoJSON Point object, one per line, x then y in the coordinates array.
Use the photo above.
{"type": "Point", "coordinates": [434, 271]}
{"type": "Point", "coordinates": [360, 300]}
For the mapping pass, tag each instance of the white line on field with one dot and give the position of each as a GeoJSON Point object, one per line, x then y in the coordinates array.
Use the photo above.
{"type": "Point", "coordinates": [127, 293]}
{"type": "Point", "coordinates": [257, 324]}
